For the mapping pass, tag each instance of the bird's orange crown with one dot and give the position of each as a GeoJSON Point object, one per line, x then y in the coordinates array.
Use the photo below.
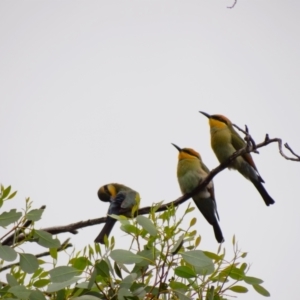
{"type": "Point", "coordinates": [219, 121]}
{"type": "Point", "coordinates": [186, 153]}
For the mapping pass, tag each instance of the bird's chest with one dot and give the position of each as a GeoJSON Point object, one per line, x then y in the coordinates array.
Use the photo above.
{"type": "Point", "coordinates": [188, 181]}
{"type": "Point", "coordinates": [221, 143]}
{"type": "Point", "coordinates": [189, 175]}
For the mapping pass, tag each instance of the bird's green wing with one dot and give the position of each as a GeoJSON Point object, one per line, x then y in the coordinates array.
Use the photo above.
{"type": "Point", "coordinates": [238, 143]}
{"type": "Point", "coordinates": [211, 189]}
{"type": "Point", "coordinates": [204, 167]}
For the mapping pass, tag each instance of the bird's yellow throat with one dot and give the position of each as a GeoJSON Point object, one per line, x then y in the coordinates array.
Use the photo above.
{"type": "Point", "coordinates": [217, 124]}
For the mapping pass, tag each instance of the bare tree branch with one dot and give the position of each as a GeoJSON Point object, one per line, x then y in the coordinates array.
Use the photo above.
{"type": "Point", "coordinates": [251, 146]}
{"type": "Point", "coordinates": [286, 145]}
{"type": "Point", "coordinates": [268, 141]}
{"type": "Point", "coordinates": [233, 5]}
{"type": "Point", "coordinates": [248, 138]}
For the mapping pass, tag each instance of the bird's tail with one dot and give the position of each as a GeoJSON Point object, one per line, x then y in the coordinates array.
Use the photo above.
{"type": "Point", "coordinates": [218, 232]}
{"type": "Point", "coordinates": [261, 189]}
{"type": "Point", "coordinates": [208, 209]}
{"type": "Point", "coordinates": [110, 222]}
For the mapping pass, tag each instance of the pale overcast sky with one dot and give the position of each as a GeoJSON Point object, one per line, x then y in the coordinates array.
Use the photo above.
{"type": "Point", "coordinates": [94, 92]}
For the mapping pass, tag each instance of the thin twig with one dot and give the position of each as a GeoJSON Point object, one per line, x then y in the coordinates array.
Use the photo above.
{"type": "Point", "coordinates": [9, 240]}
{"type": "Point", "coordinates": [269, 141]}
{"type": "Point", "coordinates": [286, 145]}
{"type": "Point", "coordinates": [63, 246]}
{"type": "Point", "coordinates": [233, 5]}
{"type": "Point", "coordinates": [248, 138]}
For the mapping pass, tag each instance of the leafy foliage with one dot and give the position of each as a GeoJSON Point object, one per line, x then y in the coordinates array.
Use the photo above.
{"type": "Point", "coordinates": [162, 262]}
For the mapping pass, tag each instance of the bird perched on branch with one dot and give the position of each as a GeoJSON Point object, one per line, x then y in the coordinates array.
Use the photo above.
{"type": "Point", "coordinates": [190, 172]}
{"type": "Point", "coordinates": [225, 141]}
{"type": "Point", "coordinates": [121, 198]}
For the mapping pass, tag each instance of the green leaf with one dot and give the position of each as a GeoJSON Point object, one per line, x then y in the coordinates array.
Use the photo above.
{"type": "Point", "coordinates": [244, 255]}
{"type": "Point", "coordinates": [7, 253]}
{"type": "Point", "coordinates": [92, 279]}
{"type": "Point", "coordinates": [261, 290]}
{"type": "Point", "coordinates": [125, 257]}
{"type": "Point", "coordinates": [45, 239]}
{"type": "Point", "coordinates": [41, 262]}
{"type": "Point", "coordinates": [6, 192]}
{"type": "Point", "coordinates": [44, 274]}
{"type": "Point", "coordinates": [178, 245]}
{"type": "Point", "coordinates": [189, 209]}
{"type": "Point", "coordinates": [212, 255]}
{"type": "Point", "coordinates": [11, 280]}
{"type": "Point", "coordinates": [7, 218]}
{"type": "Point", "coordinates": [164, 216]}
{"type": "Point", "coordinates": [80, 263]}
{"type": "Point", "coordinates": [197, 241]}
{"type": "Point", "coordinates": [20, 291]}
{"type": "Point", "coordinates": [102, 269]}
{"type": "Point", "coordinates": [41, 283]}
{"type": "Point", "coordinates": [176, 285]}
{"type": "Point", "coordinates": [238, 289]}
{"type": "Point", "coordinates": [28, 263]}
{"type": "Point", "coordinates": [124, 293]}
{"type": "Point", "coordinates": [128, 228]}
{"type": "Point", "coordinates": [128, 280]}
{"type": "Point", "coordinates": [243, 267]}
{"type": "Point", "coordinates": [34, 215]}
{"type": "Point", "coordinates": [181, 295]}
{"type": "Point", "coordinates": [147, 225]}
{"type": "Point", "coordinates": [233, 272]}
{"type": "Point", "coordinates": [108, 262]}
{"type": "Point", "coordinates": [233, 240]}
{"type": "Point", "coordinates": [252, 280]}
{"type": "Point", "coordinates": [193, 222]}
{"type": "Point", "coordinates": [12, 195]}
{"type": "Point", "coordinates": [202, 263]}
{"type": "Point", "coordinates": [118, 270]}
{"type": "Point", "coordinates": [37, 295]}
{"type": "Point", "coordinates": [185, 272]}
{"type": "Point", "coordinates": [192, 233]}
{"type": "Point", "coordinates": [138, 290]}
{"type": "Point", "coordinates": [156, 206]}
{"type": "Point", "coordinates": [211, 293]}
{"type": "Point", "coordinates": [62, 273]}
{"type": "Point", "coordinates": [61, 294]}
{"type": "Point", "coordinates": [53, 253]}
{"type": "Point", "coordinates": [37, 273]}
{"type": "Point", "coordinates": [236, 274]}
{"type": "Point", "coordinates": [57, 286]}
{"type": "Point", "coordinates": [148, 256]}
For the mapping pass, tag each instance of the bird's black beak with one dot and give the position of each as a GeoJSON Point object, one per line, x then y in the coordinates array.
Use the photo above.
{"type": "Point", "coordinates": [178, 148]}
{"type": "Point", "coordinates": [205, 114]}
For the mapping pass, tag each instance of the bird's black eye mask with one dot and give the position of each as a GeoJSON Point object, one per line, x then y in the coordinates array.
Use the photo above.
{"type": "Point", "coordinates": [219, 119]}
{"type": "Point", "coordinates": [189, 152]}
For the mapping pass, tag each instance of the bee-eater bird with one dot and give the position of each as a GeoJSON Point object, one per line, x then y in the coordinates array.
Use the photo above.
{"type": "Point", "coordinates": [225, 141]}
{"type": "Point", "coordinates": [121, 198]}
{"type": "Point", "coordinates": [190, 172]}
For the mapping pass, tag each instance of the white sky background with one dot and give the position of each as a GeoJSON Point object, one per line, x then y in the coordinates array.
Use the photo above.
{"type": "Point", "coordinates": [95, 92]}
